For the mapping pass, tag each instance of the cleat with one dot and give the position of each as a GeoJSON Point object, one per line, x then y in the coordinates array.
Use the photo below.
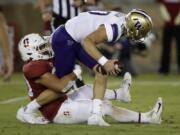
{"type": "Point", "coordinates": [127, 78]}
{"type": "Point", "coordinates": [155, 113]}
{"type": "Point", "coordinates": [96, 119]}
{"type": "Point", "coordinates": [123, 93]}
{"type": "Point", "coordinates": [26, 117]}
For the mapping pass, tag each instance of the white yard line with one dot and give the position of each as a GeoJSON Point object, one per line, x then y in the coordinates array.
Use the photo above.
{"type": "Point", "coordinates": [12, 83]}
{"type": "Point", "coordinates": [13, 100]}
{"type": "Point", "coordinates": [148, 83]}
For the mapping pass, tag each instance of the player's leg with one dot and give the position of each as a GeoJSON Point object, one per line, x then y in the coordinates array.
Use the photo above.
{"type": "Point", "coordinates": [98, 96]}
{"type": "Point", "coordinates": [124, 115]}
{"type": "Point", "coordinates": [98, 88]}
{"type": "Point", "coordinates": [79, 112]}
{"type": "Point", "coordinates": [74, 112]}
{"type": "Point", "coordinates": [64, 53]}
{"type": "Point", "coordinates": [122, 93]}
{"type": "Point", "coordinates": [28, 112]}
{"type": "Point", "coordinates": [84, 92]}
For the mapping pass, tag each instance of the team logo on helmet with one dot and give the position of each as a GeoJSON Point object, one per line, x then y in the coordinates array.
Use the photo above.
{"type": "Point", "coordinates": [26, 42]}
{"type": "Point", "coordinates": [138, 24]}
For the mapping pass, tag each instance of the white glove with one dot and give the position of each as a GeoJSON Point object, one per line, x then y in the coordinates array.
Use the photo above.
{"type": "Point", "coordinates": [70, 88]}
{"type": "Point", "coordinates": [77, 71]}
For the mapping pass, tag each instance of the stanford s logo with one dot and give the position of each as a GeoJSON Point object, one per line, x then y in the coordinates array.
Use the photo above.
{"type": "Point", "coordinates": [138, 24]}
{"type": "Point", "coordinates": [26, 42]}
{"type": "Point", "coordinates": [66, 113]}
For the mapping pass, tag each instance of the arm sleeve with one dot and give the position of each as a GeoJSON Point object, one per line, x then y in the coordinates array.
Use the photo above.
{"type": "Point", "coordinates": [112, 32]}
{"type": "Point", "coordinates": [36, 70]}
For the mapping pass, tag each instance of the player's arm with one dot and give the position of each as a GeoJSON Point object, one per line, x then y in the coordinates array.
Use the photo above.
{"type": "Point", "coordinates": [40, 72]}
{"type": "Point", "coordinates": [56, 84]}
{"type": "Point", "coordinates": [44, 8]}
{"type": "Point", "coordinates": [43, 4]}
{"type": "Point", "coordinates": [4, 42]}
{"type": "Point", "coordinates": [47, 96]}
{"type": "Point", "coordinates": [90, 42]}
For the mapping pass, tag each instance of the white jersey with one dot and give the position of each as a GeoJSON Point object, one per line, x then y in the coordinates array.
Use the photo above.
{"type": "Point", "coordinates": [85, 23]}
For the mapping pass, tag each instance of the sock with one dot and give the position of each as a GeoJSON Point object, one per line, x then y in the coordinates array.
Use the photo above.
{"type": "Point", "coordinates": [125, 115]}
{"type": "Point", "coordinates": [97, 106]}
{"type": "Point", "coordinates": [145, 118]}
{"type": "Point", "coordinates": [119, 93]}
{"type": "Point", "coordinates": [107, 108]}
{"type": "Point", "coordinates": [114, 94]}
{"type": "Point", "coordinates": [32, 106]}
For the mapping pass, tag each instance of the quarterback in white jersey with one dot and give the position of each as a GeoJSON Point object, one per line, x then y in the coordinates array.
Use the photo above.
{"type": "Point", "coordinates": [78, 40]}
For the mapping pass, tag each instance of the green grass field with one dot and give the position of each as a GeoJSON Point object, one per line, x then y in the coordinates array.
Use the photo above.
{"type": "Point", "coordinates": [145, 90]}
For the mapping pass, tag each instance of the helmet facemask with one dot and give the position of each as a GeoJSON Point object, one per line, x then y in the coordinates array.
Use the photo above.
{"type": "Point", "coordinates": [44, 51]}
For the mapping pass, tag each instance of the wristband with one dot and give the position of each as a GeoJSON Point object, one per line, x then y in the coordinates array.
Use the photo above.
{"type": "Point", "coordinates": [102, 60]}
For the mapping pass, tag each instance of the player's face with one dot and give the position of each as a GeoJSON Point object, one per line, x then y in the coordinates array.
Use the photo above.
{"type": "Point", "coordinates": [45, 49]}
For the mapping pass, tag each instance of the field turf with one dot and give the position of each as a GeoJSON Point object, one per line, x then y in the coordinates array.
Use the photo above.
{"type": "Point", "coordinates": [146, 89]}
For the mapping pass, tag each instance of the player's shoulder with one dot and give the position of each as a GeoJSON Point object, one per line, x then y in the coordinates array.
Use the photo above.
{"type": "Point", "coordinates": [37, 68]}
{"type": "Point", "coordinates": [101, 13]}
{"type": "Point", "coordinates": [36, 63]}
{"type": "Point", "coordinates": [115, 26]}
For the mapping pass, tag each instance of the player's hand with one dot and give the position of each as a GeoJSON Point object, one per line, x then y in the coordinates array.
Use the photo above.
{"type": "Point", "coordinates": [46, 16]}
{"type": "Point", "coordinates": [112, 67]}
{"type": "Point", "coordinates": [7, 70]}
{"type": "Point", "coordinates": [77, 71]}
{"type": "Point", "coordinates": [100, 69]}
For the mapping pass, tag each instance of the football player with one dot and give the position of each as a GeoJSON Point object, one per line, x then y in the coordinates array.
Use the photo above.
{"type": "Point", "coordinates": [78, 39]}
{"type": "Point", "coordinates": [44, 90]}
{"type": "Point", "coordinates": [44, 87]}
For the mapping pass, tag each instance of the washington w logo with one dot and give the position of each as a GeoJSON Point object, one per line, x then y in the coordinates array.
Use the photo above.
{"type": "Point", "coordinates": [26, 42]}
{"type": "Point", "coordinates": [137, 24]}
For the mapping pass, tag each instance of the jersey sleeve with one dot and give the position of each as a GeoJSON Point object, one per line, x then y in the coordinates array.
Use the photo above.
{"type": "Point", "coordinates": [112, 32]}
{"type": "Point", "coordinates": [36, 69]}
